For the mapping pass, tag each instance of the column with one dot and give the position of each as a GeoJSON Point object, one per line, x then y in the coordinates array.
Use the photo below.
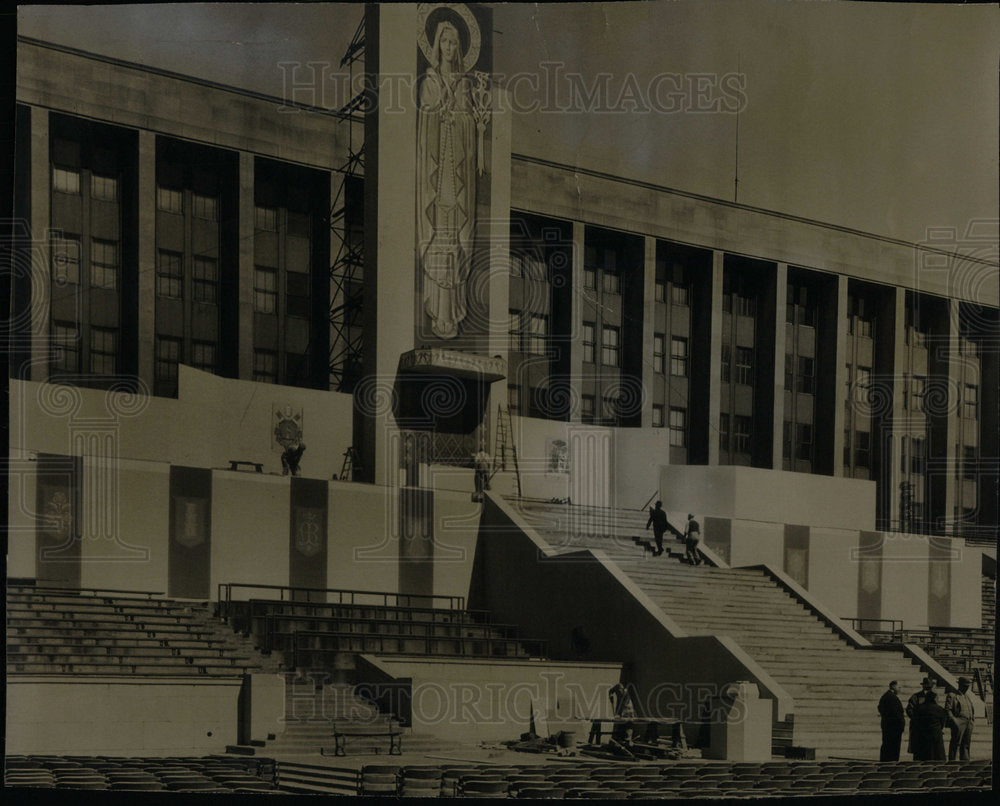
{"type": "Point", "coordinates": [898, 421]}
{"type": "Point", "coordinates": [499, 251]}
{"type": "Point", "coordinates": [840, 377]}
{"type": "Point", "coordinates": [245, 287]}
{"type": "Point", "coordinates": [715, 360]}
{"type": "Point", "coordinates": [576, 348]}
{"type": "Point", "coordinates": [953, 439]}
{"type": "Point", "coordinates": [147, 255]}
{"type": "Point", "coordinates": [780, 298]}
{"type": "Point", "coordinates": [390, 301]}
{"type": "Point", "coordinates": [41, 188]}
{"type": "Point", "coordinates": [648, 326]}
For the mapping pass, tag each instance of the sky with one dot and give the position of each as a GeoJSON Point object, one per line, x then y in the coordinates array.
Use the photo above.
{"type": "Point", "coordinates": [881, 117]}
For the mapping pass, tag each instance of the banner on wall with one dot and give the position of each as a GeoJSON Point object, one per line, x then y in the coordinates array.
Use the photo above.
{"type": "Point", "coordinates": [307, 549]}
{"type": "Point", "coordinates": [57, 521]}
{"type": "Point", "coordinates": [190, 552]}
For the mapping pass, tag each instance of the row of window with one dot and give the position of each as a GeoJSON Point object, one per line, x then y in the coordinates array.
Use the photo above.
{"type": "Point", "coordinates": [528, 332]}
{"type": "Point", "coordinates": [678, 355]}
{"type": "Point", "coordinates": [802, 381]}
{"type": "Point", "coordinates": [677, 424]}
{"type": "Point", "coordinates": [742, 371]}
{"type": "Point", "coordinates": [67, 250]}
{"type": "Point", "coordinates": [68, 181]}
{"type": "Point", "coordinates": [171, 200]}
{"type": "Point", "coordinates": [66, 344]}
{"type": "Point", "coordinates": [170, 277]}
{"type": "Point", "coordinates": [739, 440]}
{"type": "Point", "coordinates": [803, 442]}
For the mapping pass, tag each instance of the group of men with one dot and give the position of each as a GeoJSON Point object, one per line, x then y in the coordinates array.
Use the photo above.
{"type": "Point", "coordinates": [927, 722]}
{"type": "Point", "coordinates": [691, 535]}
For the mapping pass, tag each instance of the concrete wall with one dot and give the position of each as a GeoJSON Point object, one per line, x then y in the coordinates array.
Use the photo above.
{"type": "Point", "coordinates": [773, 496]}
{"type": "Point", "coordinates": [477, 700]}
{"type": "Point", "coordinates": [115, 716]}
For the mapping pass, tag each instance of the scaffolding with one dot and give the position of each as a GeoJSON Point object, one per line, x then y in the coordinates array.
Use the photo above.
{"type": "Point", "coordinates": [347, 227]}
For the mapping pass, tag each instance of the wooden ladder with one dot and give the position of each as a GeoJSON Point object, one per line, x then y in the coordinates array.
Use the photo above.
{"type": "Point", "coordinates": [503, 445]}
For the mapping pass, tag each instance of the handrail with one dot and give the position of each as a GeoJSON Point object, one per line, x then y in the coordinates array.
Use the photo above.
{"type": "Point", "coordinates": [539, 644]}
{"type": "Point", "coordinates": [858, 624]}
{"type": "Point", "coordinates": [643, 507]}
{"type": "Point", "coordinates": [454, 602]}
{"type": "Point", "coordinates": [60, 589]}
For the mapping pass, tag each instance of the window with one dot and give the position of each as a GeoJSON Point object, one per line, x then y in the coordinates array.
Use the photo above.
{"type": "Point", "coordinates": [660, 291]}
{"type": "Point", "coordinates": [538, 331]}
{"type": "Point", "coordinates": [514, 331]}
{"type": "Point", "coordinates": [169, 200]}
{"type": "Point", "coordinates": [862, 449]}
{"type": "Point", "coordinates": [168, 356]}
{"type": "Point", "coordinates": [103, 264]}
{"type": "Point", "coordinates": [970, 409]}
{"type": "Point", "coordinates": [205, 279]}
{"type": "Point", "coordinates": [862, 380]}
{"type": "Point", "coordinates": [610, 346]}
{"type": "Point", "coordinates": [265, 366]}
{"type": "Point", "coordinates": [741, 434]}
{"type": "Point", "coordinates": [265, 290]}
{"type": "Point", "coordinates": [679, 288]}
{"type": "Point", "coordinates": [847, 447]}
{"type": "Point", "coordinates": [66, 180]}
{"type": "Point", "coordinates": [103, 350]}
{"type": "Point", "coordinates": [789, 374]}
{"type": "Point", "coordinates": [859, 320]}
{"type": "Point", "coordinates": [203, 356]}
{"type": "Point", "coordinates": [588, 342]}
{"type": "Point", "coordinates": [659, 352]}
{"type": "Point", "coordinates": [587, 408]}
{"type": "Point", "coordinates": [297, 294]}
{"type": "Point", "coordinates": [66, 259]}
{"type": "Point", "coordinates": [204, 207]}
{"type": "Point", "coordinates": [727, 302]}
{"type": "Point", "coordinates": [727, 361]}
{"type": "Point", "coordinates": [104, 188]}
{"type": "Point", "coordinates": [657, 416]}
{"type": "Point", "coordinates": [610, 408]}
{"type": "Point", "coordinates": [265, 218]}
{"type": "Point", "coordinates": [744, 305]}
{"type": "Point", "coordinates": [169, 274]}
{"type": "Point", "coordinates": [678, 427]}
{"type": "Point", "coordinates": [514, 399]}
{"type": "Point", "coordinates": [917, 457]}
{"type": "Point", "coordinates": [589, 267]}
{"type": "Point", "coordinates": [969, 462]}
{"type": "Point", "coordinates": [535, 269]}
{"type": "Point", "coordinates": [744, 365]}
{"type": "Point", "coordinates": [807, 379]}
{"type": "Point", "coordinates": [918, 385]}
{"type": "Point", "coordinates": [516, 266]}
{"type": "Point", "coordinates": [66, 347]}
{"type": "Point", "coordinates": [803, 441]}
{"type": "Point", "coordinates": [724, 431]}
{"type": "Point", "coordinates": [679, 357]}
{"type": "Point", "coordinates": [296, 368]}
{"type": "Point", "coordinates": [786, 439]}
{"type": "Point", "coordinates": [611, 281]}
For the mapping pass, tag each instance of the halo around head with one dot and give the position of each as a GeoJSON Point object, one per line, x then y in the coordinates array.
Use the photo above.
{"type": "Point", "coordinates": [471, 55]}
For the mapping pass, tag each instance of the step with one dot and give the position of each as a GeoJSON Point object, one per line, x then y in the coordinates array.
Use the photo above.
{"type": "Point", "coordinates": [149, 670]}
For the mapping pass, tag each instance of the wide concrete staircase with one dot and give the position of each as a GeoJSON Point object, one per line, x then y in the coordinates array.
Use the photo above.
{"type": "Point", "coordinates": [835, 685]}
{"type": "Point", "coordinates": [62, 631]}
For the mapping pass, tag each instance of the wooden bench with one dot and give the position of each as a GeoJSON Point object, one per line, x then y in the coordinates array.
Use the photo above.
{"type": "Point", "coordinates": [235, 465]}
{"type": "Point", "coordinates": [341, 734]}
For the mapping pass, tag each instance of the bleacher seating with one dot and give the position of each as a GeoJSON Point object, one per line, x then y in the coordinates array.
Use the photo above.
{"type": "Point", "coordinates": [208, 774]}
{"type": "Point", "coordinates": [309, 633]}
{"type": "Point", "coordinates": [61, 631]}
{"type": "Point", "coordinates": [673, 780]}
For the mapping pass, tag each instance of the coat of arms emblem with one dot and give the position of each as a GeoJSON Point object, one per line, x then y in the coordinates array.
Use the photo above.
{"type": "Point", "coordinates": [939, 580]}
{"type": "Point", "coordinates": [58, 515]}
{"type": "Point", "coordinates": [189, 521]}
{"type": "Point", "coordinates": [287, 426]}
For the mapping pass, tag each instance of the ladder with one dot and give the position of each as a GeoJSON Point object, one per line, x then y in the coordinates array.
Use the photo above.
{"type": "Point", "coordinates": [350, 465]}
{"type": "Point", "coordinates": [504, 445]}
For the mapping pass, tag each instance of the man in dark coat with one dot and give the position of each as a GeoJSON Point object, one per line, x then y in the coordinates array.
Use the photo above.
{"type": "Point", "coordinates": [893, 722]}
{"type": "Point", "coordinates": [917, 699]}
{"type": "Point", "coordinates": [658, 518]}
{"type": "Point", "coordinates": [927, 725]}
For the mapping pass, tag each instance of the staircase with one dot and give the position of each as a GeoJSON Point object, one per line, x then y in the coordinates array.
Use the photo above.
{"type": "Point", "coordinates": [835, 685]}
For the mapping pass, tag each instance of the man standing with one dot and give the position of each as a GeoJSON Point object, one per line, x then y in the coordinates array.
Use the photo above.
{"type": "Point", "coordinates": [481, 463]}
{"type": "Point", "coordinates": [917, 699]}
{"type": "Point", "coordinates": [658, 518]}
{"type": "Point", "coordinates": [961, 715]}
{"type": "Point", "coordinates": [291, 457]}
{"type": "Point", "coordinates": [926, 728]}
{"type": "Point", "coordinates": [692, 535]}
{"type": "Point", "coordinates": [893, 721]}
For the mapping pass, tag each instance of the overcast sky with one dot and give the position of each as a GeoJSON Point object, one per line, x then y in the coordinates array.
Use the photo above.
{"type": "Point", "coordinates": [879, 117]}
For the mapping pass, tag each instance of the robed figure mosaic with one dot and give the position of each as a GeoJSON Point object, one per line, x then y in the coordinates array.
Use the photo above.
{"type": "Point", "coordinates": [447, 124]}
